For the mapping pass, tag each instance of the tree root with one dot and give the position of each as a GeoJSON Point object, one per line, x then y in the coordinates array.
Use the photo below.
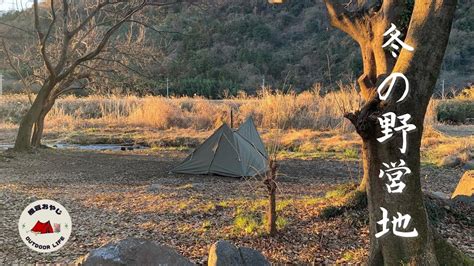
{"type": "Point", "coordinates": [355, 200]}
{"type": "Point", "coordinates": [447, 254]}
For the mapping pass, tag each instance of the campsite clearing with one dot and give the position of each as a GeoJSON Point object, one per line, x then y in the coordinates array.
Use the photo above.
{"type": "Point", "coordinates": [112, 195]}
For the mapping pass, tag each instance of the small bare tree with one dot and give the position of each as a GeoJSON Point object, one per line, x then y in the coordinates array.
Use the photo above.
{"type": "Point", "coordinates": [72, 43]}
{"type": "Point", "coordinates": [270, 177]}
{"type": "Point", "coordinates": [270, 183]}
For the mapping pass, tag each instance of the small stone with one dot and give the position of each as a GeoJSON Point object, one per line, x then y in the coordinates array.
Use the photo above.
{"type": "Point", "coordinates": [469, 165]}
{"type": "Point", "coordinates": [450, 161]}
{"type": "Point", "coordinates": [440, 195]}
{"type": "Point", "coordinates": [154, 188]}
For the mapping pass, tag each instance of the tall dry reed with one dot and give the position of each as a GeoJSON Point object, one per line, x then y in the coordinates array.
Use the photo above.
{"type": "Point", "coordinates": [311, 109]}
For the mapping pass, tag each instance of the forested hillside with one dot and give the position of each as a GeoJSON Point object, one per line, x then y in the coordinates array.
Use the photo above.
{"type": "Point", "coordinates": [223, 46]}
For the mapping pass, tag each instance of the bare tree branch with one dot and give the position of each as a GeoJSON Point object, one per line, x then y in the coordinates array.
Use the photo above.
{"type": "Point", "coordinates": [89, 17]}
{"type": "Point", "coordinates": [65, 85]}
{"type": "Point", "coordinates": [42, 39]}
{"type": "Point", "coordinates": [148, 26]}
{"type": "Point", "coordinates": [124, 66]}
{"type": "Point", "coordinates": [17, 28]}
{"type": "Point", "coordinates": [16, 69]}
{"type": "Point", "coordinates": [103, 42]}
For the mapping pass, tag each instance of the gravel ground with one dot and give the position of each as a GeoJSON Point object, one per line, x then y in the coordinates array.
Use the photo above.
{"type": "Point", "coordinates": [111, 195]}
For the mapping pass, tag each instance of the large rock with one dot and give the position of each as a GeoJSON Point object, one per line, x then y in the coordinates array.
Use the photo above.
{"type": "Point", "coordinates": [133, 251]}
{"type": "Point", "coordinates": [465, 189]}
{"type": "Point", "coordinates": [223, 253]}
{"type": "Point", "coordinates": [252, 257]}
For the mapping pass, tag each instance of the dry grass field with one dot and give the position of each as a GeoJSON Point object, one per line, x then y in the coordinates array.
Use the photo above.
{"type": "Point", "coordinates": [116, 194]}
{"type": "Point", "coordinates": [302, 125]}
{"type": "Point", "coordinates": [307, 110]}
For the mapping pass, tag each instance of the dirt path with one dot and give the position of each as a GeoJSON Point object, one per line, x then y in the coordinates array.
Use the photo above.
{"type": "Point", "coordinates": [119, 194]}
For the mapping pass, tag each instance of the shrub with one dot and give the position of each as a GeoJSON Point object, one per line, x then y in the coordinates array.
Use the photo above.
{"type": "Point", "coordinates": [455, 111]}
{"type": "Point", "coordinates": [351, 153]}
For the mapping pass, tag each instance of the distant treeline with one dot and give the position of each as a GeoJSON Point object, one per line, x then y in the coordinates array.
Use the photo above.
{"type": "Point", "coordinates": [224, 46]}
{"type": "Point", "coordinates": [236, 44]}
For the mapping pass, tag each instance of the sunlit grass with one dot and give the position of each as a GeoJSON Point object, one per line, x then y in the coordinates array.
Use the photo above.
{"type": "Point", "coordinates": [340, 191]}
{"type": "Point", "coordinates": [312, 122]}
{"type": "Point", "coordinates": [247, 223]}
{"type": "Point", "coordinates": [206, 225]}
{"type": "Point", "coordinates": [436, 146]}
{"type": "Point", "coordinates": [254, 223]}
{"type": "Point", "coordinates": [308, 110]}
{"type": "Point", "coordinates": [353, 255]}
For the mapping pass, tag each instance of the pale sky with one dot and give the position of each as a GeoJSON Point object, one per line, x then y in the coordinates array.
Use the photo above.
{"type": "Point", "coordinates": [7, 5]}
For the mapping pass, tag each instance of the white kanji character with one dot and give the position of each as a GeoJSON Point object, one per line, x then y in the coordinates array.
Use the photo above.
{"type": "Point", "coordinates": [388, 122]}
{"type": "Point", "coordinates": [383, 222]}
{"type": "Point", "coordinates": [405, 128]}
{"type": "Point", "coordinates": [402, 222]}
{"type": "Point", "coordinates": [394, 34]}
{"type": "Point", "coordinates": [394, 173]}
{"type": "Point", "coordinates": [393, 78]}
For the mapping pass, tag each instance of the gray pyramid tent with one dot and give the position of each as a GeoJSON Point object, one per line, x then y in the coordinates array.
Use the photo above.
{"type": "Point", "coordinates": [228, 153]}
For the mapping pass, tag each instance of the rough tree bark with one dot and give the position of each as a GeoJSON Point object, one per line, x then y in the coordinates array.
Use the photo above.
{"type": "Point", "coordinates": [427, 32]}
{"type": "Point", "coordinates": [271, 188]}
{"type": "Point", "coordinates": [39, 124]}
{"type": "Point", "coordinates": [24, 138]}
{"type": "Point", "coordinates": [62, 87]}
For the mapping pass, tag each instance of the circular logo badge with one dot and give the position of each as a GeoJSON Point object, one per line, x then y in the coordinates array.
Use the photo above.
{"type": "Point", "coordinates": [45, 225]}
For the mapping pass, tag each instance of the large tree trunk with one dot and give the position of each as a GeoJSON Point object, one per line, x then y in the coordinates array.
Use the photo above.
{"type": "Point", "coordinates": [23, 140]}
{"type": "Point", "coordinates": [428, 33]}
{"type": "Point", "coordinates": [391, 249]}
{"type": "Point", "coordinates": [39, 124]}
{"type": "Point", "coordinates": [38, 131]}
